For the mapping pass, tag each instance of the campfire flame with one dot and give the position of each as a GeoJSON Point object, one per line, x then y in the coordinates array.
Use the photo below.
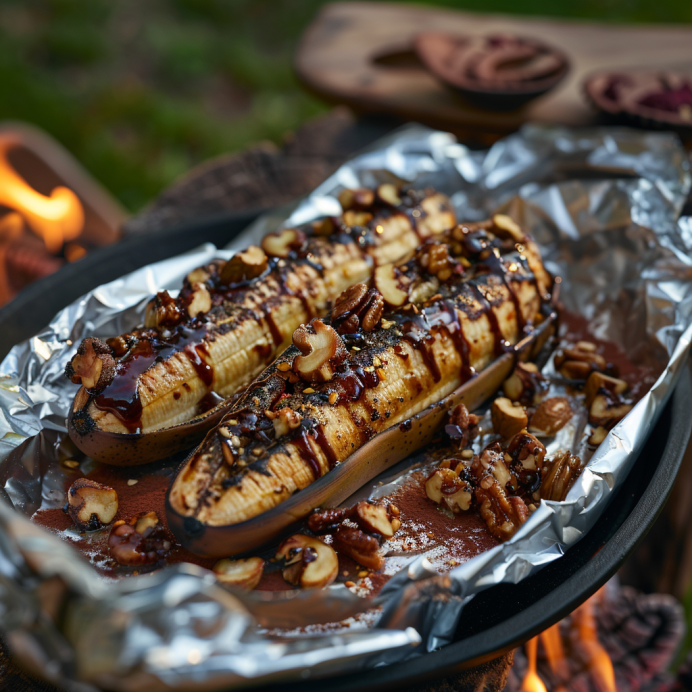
{"type": "Point", "coordinates": [57, 218]}
{"type": "Point", "coordinates": [594, 656]}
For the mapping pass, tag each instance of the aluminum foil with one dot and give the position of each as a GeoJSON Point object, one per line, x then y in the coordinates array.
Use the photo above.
{"type": "Point", "coordinates": [604, 205]}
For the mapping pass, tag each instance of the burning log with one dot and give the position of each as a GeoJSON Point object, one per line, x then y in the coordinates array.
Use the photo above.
{"type": "Point", "coordinates": [621, 639]}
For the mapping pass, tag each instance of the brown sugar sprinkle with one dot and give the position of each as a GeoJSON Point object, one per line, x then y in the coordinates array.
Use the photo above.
{"type": "Point", "coordinates": [283, 367]}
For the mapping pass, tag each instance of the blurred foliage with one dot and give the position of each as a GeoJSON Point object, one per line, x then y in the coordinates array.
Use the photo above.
{"type": "Point", "coordinates": [141, 90]}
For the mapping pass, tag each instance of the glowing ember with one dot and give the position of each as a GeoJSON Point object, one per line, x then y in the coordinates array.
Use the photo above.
{"type": "Point", "coordinates": [532, 682]}
{"type": "Point", "coordinates": [57, 218]}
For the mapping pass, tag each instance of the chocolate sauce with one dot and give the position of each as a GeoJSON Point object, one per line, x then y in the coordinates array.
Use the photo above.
{"type": "Point", "coordinates": [121, 396]}
{"type": "Point", "coordinates": [302, 442]}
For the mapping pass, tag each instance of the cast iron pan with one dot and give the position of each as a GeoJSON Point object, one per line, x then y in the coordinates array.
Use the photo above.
{"type": "Point", "coordinates": [500, 618]}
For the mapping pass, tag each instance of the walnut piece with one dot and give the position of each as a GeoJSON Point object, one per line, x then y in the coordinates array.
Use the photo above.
{"type": "Point", "coordinates": [284, 420]}
{"type": "Point", "coordinates": [243, 574]}
{"type": "Point", "coordinates": [90, 505]}
{"type": "Point", "coordinates": [310, 563]}
{"type": "Point", "coordinates": [598, 435]}
{"type": "Point", "coordinates": [93, 366]}
{"type": "Point", "coordinates": [285, 242]}
{"type": "Point", "coordinates": [140, 541]}
{"type": "Point", "coordinates": [321, 351]}
{"type": "Point", "coordinates": [526, 385]}
{"type": "Point", "coordinates": [597, 381]}
{"type": "Point", "coordinates": [551, 415]}
{"type": "Point", "coordinates": [392, 284]}
{"type": "Point", "coordinates": [379, 519]}
{"type": "Point", "coordinates": [244, 266]}
{"type": "Point", "coordinates": [607, 409]}
{"type": "Point", "coordinates": [435, 258]}
{"type": "Point", "coordinates": [358, 307]}
{"type": "Point", "coordinates": [353, 218]}
{"type": "Point", "coordinates": [491, 462]}
{"type": "Point", "coordinates": [355, 543]}
{"type": "Point", "coordinates": [559, 475]}
{"type": "Point", "coordinates": [508, 418]}
{"type": "Point", "coordinates": [527, 455]}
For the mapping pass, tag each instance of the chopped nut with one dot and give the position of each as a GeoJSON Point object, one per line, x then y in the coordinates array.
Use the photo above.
{"type": "Point", "coordinates": [362, 574]}
{"type": "Point", "coordinates": [434, 256]}
{"type": "Point", "coordinates": [389, 194]}
{"type": "Point", "coordinates": [527, 454]}
{"type": "Point", "coordinates": [321, 351]}
{"type": "Point", "coordinates": [200, 301]}
{"type": "Point", "coordinates": [360, 198]}
{"type": "Point", "coordinates": [140, 541]}
{"type": "Point", "coordinates": [243, 574]}
{"type": "Point", "coordinates": [578, 363]}
{"type": "Point", "coordinates": [324, 227]}
{"type": "Point", "coordinates": [354, 218]}
{"type": "Point", "coordinates": [551, 415]}
{"type": "Point", "coordinates": [284, 420]}
{"type": "Point", "coordinates": [559, 474]}
{"type": "Point", "coordinates": [162, 312]}
{"type": "Point", "coordinates": [333, 397]}
{"type": "Point", "coordinates": [526, 385]}
{"type": "Point", "coordinates": [283, 243]}
{"type": "Point", "coordinates": [508, 418]}
{"type": "Point", "coordinates": [308, 390]}
{"type": "Point", "coordinates": [132, 481]}
{"type": "Point", "coordinates": [310, 563]}
{"type": "Point", "coordinates": [244, 266]}
{"type": "Point", "coordinates": [392, 284]}
{"type": "Point", "coordinates": [491, 462]}
{"type": "Point", "coordinates": [349, 584]}
{"type": "Point", "coordinates": [505, 226]}
{"type": "Point", "coordinates": [71, 464]}
{"type": "Point", "coordinates": [357, 307]}
{"type": "Point", "coordinates": [283, 367]}
{"type": "Point", "coordinates": [91, 506]}
{"type": "Point", "coordinates": [198, 276]}
{"type": "Point", "coordinates": [326, 520]}
{"type": "Point", "coordinates": [597, 381]}
{"type": "Point", "coordinates": [444, 486]}
{"type": "Point", "coordinates": [375, 519]}
{"type": "Point", "coordinates": [607, 409]}
{"type": "Point", "coordinates": [462, 426]}
{"type": "Point", "coordinates": [364, 549]}
{"type": "Point", "coordinates": [598, 435]}
{"type": "Point", "coordinates": [93, 366]}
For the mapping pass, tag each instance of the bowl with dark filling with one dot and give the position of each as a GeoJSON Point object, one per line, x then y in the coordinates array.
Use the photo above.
{"type": "Point", "coordinates": [497, 72]}
{"type": "Point", "coordinates": [645, 98]}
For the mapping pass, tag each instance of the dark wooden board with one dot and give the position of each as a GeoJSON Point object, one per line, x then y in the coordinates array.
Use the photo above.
{"type": "Point", "coordinates": [359, 54]}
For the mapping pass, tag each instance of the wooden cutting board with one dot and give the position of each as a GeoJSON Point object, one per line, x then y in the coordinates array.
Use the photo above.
{"type": "Point", "coordinates": [359, 54]}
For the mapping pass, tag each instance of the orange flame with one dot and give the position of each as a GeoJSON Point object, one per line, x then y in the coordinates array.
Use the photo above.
{"type": "Point", "coordinates": [56, 218]}
{"type": "Point", "coordinates": [532, 682]}
{"type": "Point", "coordinates": [595, 657]}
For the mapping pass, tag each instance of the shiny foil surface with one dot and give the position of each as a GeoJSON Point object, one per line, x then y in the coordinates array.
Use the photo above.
{"type": "Point", "coordinates": [603, 204]}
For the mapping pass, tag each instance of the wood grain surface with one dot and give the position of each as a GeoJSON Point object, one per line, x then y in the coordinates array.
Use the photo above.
{"type": "Point", "coordinates": [359, 54]}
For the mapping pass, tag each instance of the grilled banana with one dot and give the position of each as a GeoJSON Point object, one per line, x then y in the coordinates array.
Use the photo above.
{"type": "Point", "coordinates": [231, 318]}
{"type": "Point", "coordinates": [365, 370]}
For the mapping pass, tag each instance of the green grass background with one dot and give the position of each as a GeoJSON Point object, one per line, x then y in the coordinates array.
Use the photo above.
{"type": "Point", "coordinates": [141, 90]}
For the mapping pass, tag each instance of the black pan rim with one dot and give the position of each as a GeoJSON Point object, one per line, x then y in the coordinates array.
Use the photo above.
{"type": "Point", "coordinates": [624, 532]}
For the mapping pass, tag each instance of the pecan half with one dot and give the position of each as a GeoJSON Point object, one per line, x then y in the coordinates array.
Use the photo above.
{"type": "Point", "coordinates": [93, 366]}
{"type": "Point", "coordinates": [435, 258]}
{"type": "Point", "coordinates": [355, 543]}
{"type": "Point", "coordinates": [551, 415]}
{"type": "Point", "coordinates": [503, 514]}
{"type": "Point", "coordinates": [140, 541]}
{"type": "Point", "coordinates": [321, 351]}
{"type": "Point", "coordinates": [244, 266]}
{"type": "Point", "coordinates": [559, 474]}
{"type": "Point", "coordinates": [358, 307]}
